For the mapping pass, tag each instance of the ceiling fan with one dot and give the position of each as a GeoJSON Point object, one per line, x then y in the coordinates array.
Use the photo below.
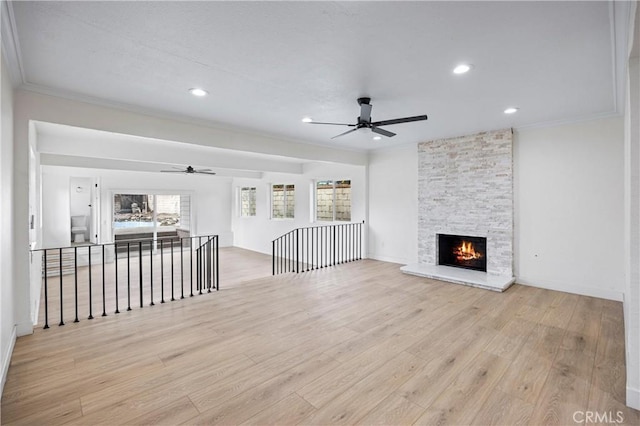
{"type": "Point", "coordinates": [364, 121]}
{"type": "Point", "coordinates": [190, 170]}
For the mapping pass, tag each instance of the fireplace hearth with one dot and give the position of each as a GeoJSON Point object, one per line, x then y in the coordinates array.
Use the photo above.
{"type": "Point", "coordinates": [462, 251]}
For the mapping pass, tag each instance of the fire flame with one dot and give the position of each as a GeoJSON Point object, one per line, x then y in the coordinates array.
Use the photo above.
{"type": "Point", "coordinates": [467, 252]}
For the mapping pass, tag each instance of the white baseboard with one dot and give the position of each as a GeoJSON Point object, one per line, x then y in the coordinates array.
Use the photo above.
{"type": "Point", "coordinates": [600, 293]}
{"type": "Point", "coordinates": [633, 398]}
{"type": "Point", "coordinates": [6, 359]}
{"type": "Point", "coordinates": [390, 259]}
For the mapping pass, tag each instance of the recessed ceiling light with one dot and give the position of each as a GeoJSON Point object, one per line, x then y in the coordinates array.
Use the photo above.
{"type": "Point", "coordinates": [307, 120]}
{"type": "Point", "coordinates": [511, 110]}
{"type": "Point", "coordinates": [462, 68]}
{"type": "Point", "coordinates": [377, 138]}
{"type": "Point", "coordinates": [198, 92]}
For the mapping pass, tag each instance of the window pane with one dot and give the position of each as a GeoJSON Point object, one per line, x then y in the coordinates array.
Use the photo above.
{"type": "Point", "coordinates": [277, 201]}
{"type": "Point", "coordinates": [290, 201]}
{"type": "Point", "coordinates": [343, 200]}
{"type": "Point", "coordinates": [324, 200]}
{"type": "Point", "coordinates": [248, 202]}
{"type": "Point", "coordinates": [132, 211]}
{"type": "Point", "coordinates": [168, 211]}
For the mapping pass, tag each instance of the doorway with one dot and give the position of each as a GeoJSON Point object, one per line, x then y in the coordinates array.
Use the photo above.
{"type": "Point", "coordinates": [82, 210]}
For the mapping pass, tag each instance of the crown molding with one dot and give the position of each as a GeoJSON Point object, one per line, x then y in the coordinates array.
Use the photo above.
{"type": "Point", "coordinates": [11, 45]}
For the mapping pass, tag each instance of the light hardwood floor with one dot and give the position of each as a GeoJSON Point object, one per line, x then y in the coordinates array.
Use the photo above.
{"type": "Point", "coordinates": [360, 343]}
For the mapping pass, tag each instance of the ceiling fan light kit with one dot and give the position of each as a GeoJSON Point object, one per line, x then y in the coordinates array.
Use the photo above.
{"type": "Point", "coordinates": [364, 121]}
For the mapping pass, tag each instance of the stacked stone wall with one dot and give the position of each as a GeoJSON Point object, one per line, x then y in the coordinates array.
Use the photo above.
{"type": "Point", "coordinates": [465, 187]}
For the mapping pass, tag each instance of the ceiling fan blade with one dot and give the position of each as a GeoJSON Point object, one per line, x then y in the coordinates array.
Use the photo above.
{"type": "Point", "coordinates": [205, 173]}
{"type": "Point", "coordinates": [399, 120]}
{"type": "Point", "coordinates": [382, 132]}
{"type": "Point", "coordinates": [203, 170]}
{"type": "Point", "coordinates": [342, 134]}
{"type": "Point", "coordinates": [333, 124]}
{"type": "Point", "coordinates": [365, 112]}
{"type": "Point", "coordinates": [172, 171]}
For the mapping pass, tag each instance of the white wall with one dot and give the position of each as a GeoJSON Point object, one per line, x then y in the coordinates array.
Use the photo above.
{"type": "Point", "coordinates": [393, 205]}
{"type": "Point", "coordinates": [569, 185]}
{"type": "Point", "coordinates": [210, 198]}
{"type": "Point", "coordinates": [7, 315]}
{"type": "Point", "coordinates": [256, 233]}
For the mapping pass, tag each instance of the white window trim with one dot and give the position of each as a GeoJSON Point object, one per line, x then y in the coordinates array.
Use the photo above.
{"type": "Point", "coordinates": [286, 207]}
{"type": "Point", "coordinates": [314, 204]}
{"type": "Point", "coordinates": [239, 201]}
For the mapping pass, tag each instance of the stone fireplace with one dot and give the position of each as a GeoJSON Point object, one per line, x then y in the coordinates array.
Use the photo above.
{"type": "Point", "coordinates": [465, 189]}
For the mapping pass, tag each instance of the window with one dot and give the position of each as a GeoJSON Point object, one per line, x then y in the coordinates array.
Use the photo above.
{"type": "Point", "coordinates": [333, 200]}
{"type": "Point", "coordinates": [247, 201]}
{"type": "Point", "coordinates": [150, 213]}
{"type": "Point", "coordinates": [283, 201]}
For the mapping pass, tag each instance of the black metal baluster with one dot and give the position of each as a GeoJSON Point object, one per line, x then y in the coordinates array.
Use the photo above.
{"type": "Point", "coordinates": [335, 244]}
{"type": "Point", "coordinates": [355, 228]}
{"type": "Point", "coordinates": [104, 292]}
{"type": "Point", "coordinates": [321, 249]}
{"type": "Point", "coordinates": [217, 263]}
{"type": "Point", "coordinates": [191, 266]}
{"type": "Point", "coordinates": [46, 291]}
{"type": "Point", "coordinates": [75, 275]}
{"type": "Point", "coordinates": [199, 268]}
{"type": "Point", "coordinates": [90, 290]}
{"type": "Point", "coordinates": [290, 245]}
{"type": "Point", "coordinates": [151, 270]}
{"type": "Point", "coordinates": [341, 249]}
{"type": "Point", "coordinates": [341, 238]}
{"type": "Point", "coordinates": [360, 240]}
{"type": "Point", "coordinates": [140, 270]}
{"type": "Point", "coordinates": [281, 258]}
{"type": "Point", "coordinates": [273, 257]}
{"type": "Point", "coordinates": [128, 276]}
{"type": "Point", "coordinates": [61, 304]}
{"type": "Point", "coordinates": [349, 248]}
{"type": "Point", "coordinates": [325, 231]}
{"type": "Point", "coordinates": [181, 270]}
{"type": "Point", "coordinates": [297, 251]}
{"type": "Point", "coordinates": [209, 261]}
{"type": "Point", "coordinates": [161, 271]}
{"type": "Point", "coordinates": [172, 280]}
{"type": "Point", "coordinates": [308, 251]}
{"type": "Point", "coordinates": [115, 254]}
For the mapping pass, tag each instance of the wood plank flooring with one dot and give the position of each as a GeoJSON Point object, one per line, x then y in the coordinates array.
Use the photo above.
{"type": "Point", "coordinates": [359, 343]}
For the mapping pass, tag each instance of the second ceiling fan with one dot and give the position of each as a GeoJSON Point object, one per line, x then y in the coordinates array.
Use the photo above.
{"type": "Point", "coordinates": [364, 121]}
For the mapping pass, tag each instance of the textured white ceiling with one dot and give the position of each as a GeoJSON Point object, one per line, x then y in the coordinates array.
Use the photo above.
{"type": "Point", "coordinates": [268, 64]}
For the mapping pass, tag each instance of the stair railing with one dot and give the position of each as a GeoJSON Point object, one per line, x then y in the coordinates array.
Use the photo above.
{"type": "Point", "coordinates": [315, 247]}
{"type": "Point", "coordinates": [113, 271]}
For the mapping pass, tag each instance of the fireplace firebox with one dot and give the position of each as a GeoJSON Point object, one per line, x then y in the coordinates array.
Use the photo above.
{"type": "Point", "coordinates": [462, 251]}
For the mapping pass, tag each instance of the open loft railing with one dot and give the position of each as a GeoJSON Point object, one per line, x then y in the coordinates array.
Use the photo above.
{"type": "Point", "coordinates": [122, 271]}
{"type": "Point", "coordinates": [315, 247]}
